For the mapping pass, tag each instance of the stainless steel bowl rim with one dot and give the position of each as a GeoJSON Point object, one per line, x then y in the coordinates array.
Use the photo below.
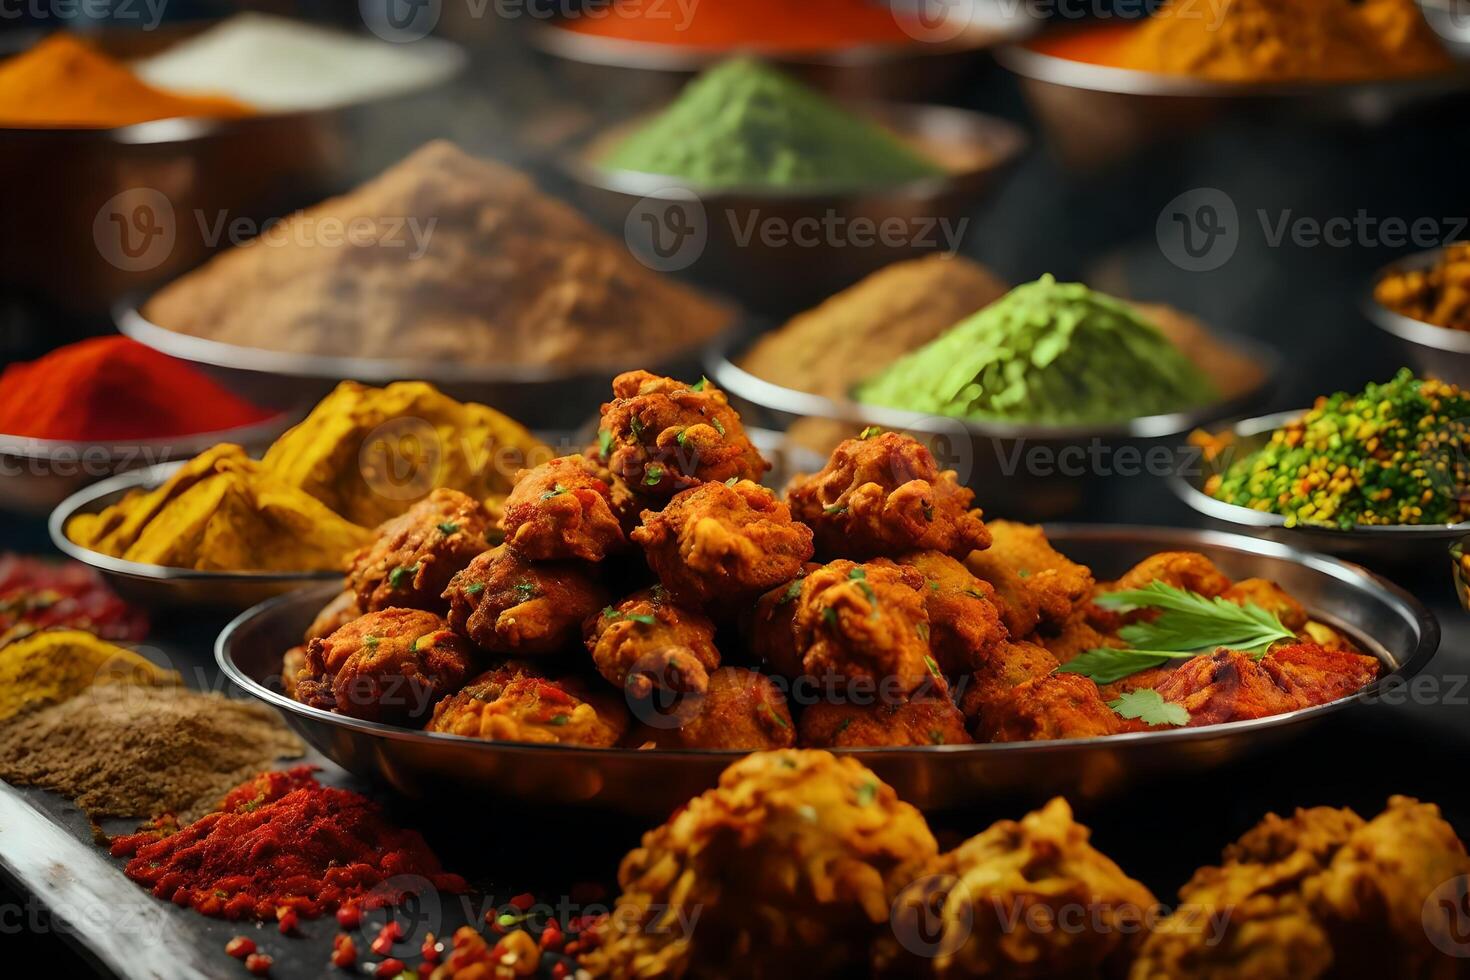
{"type": "Point", "coordinates": [143, 478]}
{"type": "Point", "coordinates": [201, 350]}
{"type": "Point", "coordinates": [1010, 141]}
{"type": "Point", "coordinates": [1220, 510]}
{"type": "Point", "coordinates": [1057, 70]}
{"type": "Point", "coordinates": [1406, 327]}
{"type": "Point", "coordinates": [737, 381]}
{"type": "Point", "coordinates": [1407, 606]}
{"type": "Point", "coordinates": [157, 450]}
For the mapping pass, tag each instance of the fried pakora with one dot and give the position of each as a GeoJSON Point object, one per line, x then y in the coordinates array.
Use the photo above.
{"type": "Point", "coordinates": [663, 436]}
{"type": "Point", "coordinates": [1023, 900]}
{"type": "Point", "coordinates": [1228, 685]}
{"type": "Point", "coordinates": [723, 544]}
{"type": "Point", "coordinates": [1050, 707]}
{"type": "Point", "coordinates": [865, 622]}
{"type": "Point", "coordinates": [782, 870]}
{"type": "Point", "coordinates": [1014, 662]}
{"type": "Point", "coordinates": [926, 717]}
{"type": "Point", "coordinates": [740, 709]}
{"type": "Point", "coordinates": [1039, 584]}
{"type": "Point", "coordinates": [884, 496]}
{"type": "Point", "coordinates": [1270, 597]}
{"type": "Point", "coordinates": [523, 707]}
{"type": "Point", "coordinates": [771, 631]}
{"type": "Point", "coordinates": [291, 664]}
{"type": "Point", "coordinates": [964, 621]}
{"type": "Point", "coordinates": [562, 510]}
{"type": "Point", "coordinates": [410, 562]}
{"type": "Point", "coordinates": [646, 644]}
{"type": "Point", "coordinates": [513, 606]}
{"type": "Point", "coordinates": [391, 666]}
{"type": "Point", "coordinates": [334, 615]}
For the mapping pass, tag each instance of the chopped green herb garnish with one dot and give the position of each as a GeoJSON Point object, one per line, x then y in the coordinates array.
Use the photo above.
{"type": "Point", "coordinates": [835, 509]}
{"type": "Point", "coordinates": [371, 642]}
{"type": "Point", "coordinates": [829, 616]}
{"type": "Point", "coordinates": [448, 528]}
{"type": "Point", "coordinates": [653, 475]}
{"type": "Point", "coordinates": [719, 426]}
{"type": "Point", "coordinates": [683, 434]}
{"type": "Point", "coordinates": [775, 715]}
{"type": "Point", "coordinates": [526, 590]}
{"type": "Point", "coordinates": [933, 586]}
{"type": "Point", "coordinates": [870, 432]}
{"type": "Point", "coordinates": [635, 425]}
{"type": "Point", "coordinates": [700, 384]}
{"type": "Point", "coordinates": [792, 592]}
{"type": "Point", "coordinates": [396, 577]}
{"type": "Point", "coordinates": [643, 618]}
{"type": "Point", "coordinates": [559, 720]}
{"type": "Point", "coordinates": [928, 511]}
{"type": "Point", "coordinates": [936, 736]}
{"type": "Point", "coordinates": [928, 660]}
{"type": "Point", "coordinates": [732, 481]}
{"type": "Point", "coordinates": [604, 443]}
{"type": "Point", "coordinates": [555, 491]}
{"type": "Point", "coordinates": [843, 726]}
{"type": "Point", "coordinates": [474, 588]}
{"type": "Point", "coordinates": [1149, 707]}
{"type": "Point", "coordinates": [866, 792]}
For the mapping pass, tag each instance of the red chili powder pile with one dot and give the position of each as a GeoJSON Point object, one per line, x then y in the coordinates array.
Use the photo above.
{"type": "Point", "coordinates": [114, 388]}
{"type": "Point", "coordinates": [283, 841]}
{"type": "Point", "coordinates": [753, 25]}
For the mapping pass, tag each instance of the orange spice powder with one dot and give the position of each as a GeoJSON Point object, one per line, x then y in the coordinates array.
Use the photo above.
{"type": "Point", "coordinates": [767, 26]}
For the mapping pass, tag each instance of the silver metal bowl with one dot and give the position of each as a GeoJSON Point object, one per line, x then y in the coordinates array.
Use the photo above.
{"type": "Point", "coordinates": [1450, 19]}
{"type": "Point", "coordinates": [1392, 544]}
{"type": "Point", "coordinates": [557, 397]}
{"type": "Point", "coordinates": [1386, 621]}
{"type": "Point", "coordinates": [1020, 470]}
{"type": "Point", "coordinates": [37, 474]}
{"type": "Point", "coordinates": [779, 277]}
{"type": "Point", "coordinates": [1095, 114]}
{"type": "Point", "coordinates": [160, 586]}
{"type": "Point", "coordinates": [65, 194]}
{"type": "Point", "coordinates": [640, 73]}
{"type": "Point", "coordinates": [1435, 351]}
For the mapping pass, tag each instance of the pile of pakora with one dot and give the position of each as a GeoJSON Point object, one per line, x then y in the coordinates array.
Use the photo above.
{"type": "Point", "coordinates": [801, 863]}
{"type": "Point", "coordinates": [651, 593]}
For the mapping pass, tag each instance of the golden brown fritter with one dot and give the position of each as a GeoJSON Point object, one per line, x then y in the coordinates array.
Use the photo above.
{"type": "Point", "coordinates": [770, 628]}
{"type": "Point", "coordinates": [513, 606]}
{"type": "Point", "coordinates": [646, 643]}
{"type": "Point", "coordinates": [291, 663]}
{"type": "Point", "coordinates": [1077, 635]}
{"type": "Point", "coordinates": [1013, 663]}
{"type": "Point", "coordinates": [1036, 586]}
{"type": "Point", "coordinates": [964, 622]}
{"type": "Point", "coordinates": [741, 709]}
{"type": "Point", "coordinates": [926, 717]}
{"type": "Point", "coordinates": [410, 562]}
{"type": "Point", "coordinates": [334, 615]}
{"type": "Point", "coordinates": [1050, 707]}
{"type": "Point", "coordinates": [389, 666]}
{"type": "Point", "coordinates": [884, 496]}
{"type": "Point", "coordinates": [723, 544]}
{"type": "Point", "coordinates": [663, 436]}
{"type": "Point", "coordinates": [561, 511]}
{"type": "Point", "coordinates": [1270, 597]}
{"type": "Point", "coordinates": [518, 706]}
{"type": "Point", "coordinates": [1023, 900]}
{"type": "Point", "coordinates": [1187, 570]}
{"type": "Point", "coordinates": [865, 622]}
{"type": "Point", "coordinates": [786, 864]}
{"type": "Point", "coordinates": [1228, 685]}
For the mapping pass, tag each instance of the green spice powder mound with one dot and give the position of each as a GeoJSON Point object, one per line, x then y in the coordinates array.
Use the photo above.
{"type": "Point", "coordinates": [1394, 453]}
{"type": "Point", "coordinates": [745, 124]}
{"type": "Point", "coordinates": [1047, 352]}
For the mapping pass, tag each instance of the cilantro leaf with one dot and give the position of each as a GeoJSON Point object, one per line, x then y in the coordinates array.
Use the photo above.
{"type": "Point", "coordinates": [604, 443]}
{"type": "Point", "coordinates": [1106, 665]}
{"type": "Point", "coordinates": [1149, 707]}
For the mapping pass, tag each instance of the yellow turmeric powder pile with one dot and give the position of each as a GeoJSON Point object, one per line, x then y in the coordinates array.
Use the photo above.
{"type": "Point", "coordinates": [65, 82]}
{"type": "Point", "coordinates": [1439, 294]}
{"type": "Point", "coordinates": [1284, 40]}
{"type": "Point", "coordinates": [55, 665]}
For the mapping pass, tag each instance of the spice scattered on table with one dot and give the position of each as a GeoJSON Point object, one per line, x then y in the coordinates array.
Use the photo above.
{"type": "Point", "coordinates": [113, 388]}
{"type": "Point", "coordinates": [127, 751]}
{"type": "Point", "coordinates": [36, 595]}
{"type": "Point", "coordinates": [1394, 453]}
{"type": "Point", "coordinates": [282, 840]}
{"type": "Point", "coordinates": [1048, 352]}
{"type": "Point", "coordinates": [65, 82]}
{"type": "Point", "coordinates": [767, 26]}
{"type": "Point", "coordinates": [49, 667]}
{"type": "Point", "coordinates": [451, 258]}
{"type": "Point", "coordinates": [1439, 294]}
{"type": "Point", "coordinates": [279, 64]}
{"type": "Point", "coordinates": [1266, 41]}
{"type": "Point", "coordinates": [744, 123]}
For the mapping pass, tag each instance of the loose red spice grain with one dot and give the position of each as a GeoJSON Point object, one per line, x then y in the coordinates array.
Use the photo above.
{"type": "Point", "coordinates": [344, 951]}
{"type": "Point", "coordinates": [282, 840]}
{"type": "Point", "coordinates": [259, 964]}
{"type": "Point", "coordinates": [240, 947]}
{"type": "Point", "coordinates": [390, 968]}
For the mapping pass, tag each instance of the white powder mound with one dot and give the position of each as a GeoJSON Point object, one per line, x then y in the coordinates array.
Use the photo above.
{"type": "Point", "coordinates": [279, 65]}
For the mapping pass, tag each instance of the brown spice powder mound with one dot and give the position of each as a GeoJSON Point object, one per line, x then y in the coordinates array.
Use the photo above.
{"type": "Point", "coordinates": [442, 257]}
{"type": "Point", "coordinates": [124, 751]}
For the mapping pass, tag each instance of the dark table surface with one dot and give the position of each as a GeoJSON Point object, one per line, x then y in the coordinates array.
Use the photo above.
{"type": "Point", "coordinates": [1099, 227]}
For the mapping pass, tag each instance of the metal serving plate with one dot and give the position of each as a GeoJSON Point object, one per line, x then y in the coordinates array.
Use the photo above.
{"type": "Point", "coordinates": [1386, 621]}
{"type": "Point", "coordinates": [1390, 544]}
{"type": "Point", "coordinates": [776, 277]}
{"type": "Point", "coordinates": [160, 586]}
{"type": "Point", "coordinates": [1439, 352]}
{"type": "Point", "coordinates": [985, 453]}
